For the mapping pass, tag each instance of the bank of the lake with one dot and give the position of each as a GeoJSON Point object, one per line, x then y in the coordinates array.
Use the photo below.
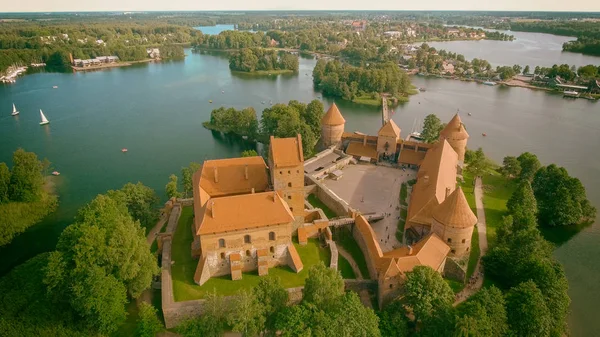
{"type": "Point", "coordinates": [156, 110]}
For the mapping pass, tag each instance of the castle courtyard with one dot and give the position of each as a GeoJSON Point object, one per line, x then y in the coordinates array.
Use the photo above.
{"type": "Point", "coordinates": [374, 189]}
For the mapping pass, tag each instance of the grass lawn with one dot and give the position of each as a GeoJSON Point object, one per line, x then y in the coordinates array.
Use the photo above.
{"type": "Point", "coordinates": [184, 267]}
{"type": "Point", "coordinates": [474, 255]}
{"type": "Point", "coordinates": [345, 239]}
{"type": "Point", "coordinates": [367, 100]}
{"type": "Point", "coordinates": [403, 194]}
{"type": "Point", "coordinates": [345, 268]}
{"type": "Point", "coordinates": [264, 72]}
{"type": "Point", "coordinates": [317, 203]}
{"type": "Point", "coordinates": [496, 191]}
{"type": "Point", "coordinates": [468, 188]}
{"type": "Point", "coordinates": [455, 285]}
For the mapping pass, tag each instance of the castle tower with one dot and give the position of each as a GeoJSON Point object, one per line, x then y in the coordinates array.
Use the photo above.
{"type": "Point", "coordinates": [387, 138]}
{"type": "Point", "coordinates": [457, 136]}
{"type": "Point", "coordinates": [286, 163]}
{"type": "Point", "coordinates": [453, 221]}
{"type": "Point", "coordinates": [332, 126]}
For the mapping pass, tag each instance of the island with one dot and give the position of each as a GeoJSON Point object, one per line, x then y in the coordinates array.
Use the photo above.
{"type": "Point", "coordinates": [260, 61]}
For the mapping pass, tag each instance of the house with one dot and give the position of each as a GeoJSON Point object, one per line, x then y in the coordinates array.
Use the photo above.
{"type": "Point", "coordinates": [594, 87]}
{"type": "Point", "coordinates": [273, 43]}
{"type": "Point", "coordinates": [392, 34]}
{"type": "Point", "coordinates": [359, 25]}
{"type": "Point", "coordinates": [453, 31]}
{"type": "Point", "coordinates": [153, 53]}
{"type": "Point", "coordinates": [410, 32]}
{"type": "Point", "coordinates": [447, 67]}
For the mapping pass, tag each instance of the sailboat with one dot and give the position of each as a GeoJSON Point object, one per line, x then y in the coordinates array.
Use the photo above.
{"type": "Point", "coordinates": [14, 112]}
{"type": "Point", "coordinates": [44, 119]}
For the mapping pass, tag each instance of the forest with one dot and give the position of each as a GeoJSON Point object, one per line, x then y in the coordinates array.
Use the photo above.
{"type": "Point", "coordinates": [263, 60]}
{"type": "Point", "coordinates": [346, 81]}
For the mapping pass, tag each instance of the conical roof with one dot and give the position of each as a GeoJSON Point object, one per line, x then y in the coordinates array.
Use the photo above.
{"type": "Point", "coordinates": [389, 129]}
{"type": "Point", "coordinates": [455, 211]}
{"type": "Point", "coordinates": [455, 129]}
{"type": "Point", "coordinates": [333, 116]}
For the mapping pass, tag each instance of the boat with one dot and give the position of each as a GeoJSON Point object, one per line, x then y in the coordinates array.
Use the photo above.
{"type": "Point", "coordinates": [262, 102]}
{"type": "Point", "coordinates": [489, 83]}
{"type": "Point", "coordinates": [569, 93]}
{"type": "Point", "coordinates": [15, 111]}
{"type": "Point", "coordinates": [422, 89]}
{"type": "Point", "coordinates": [469, 114]}
{"type": "Point", "coordinates": [55, 173]}
{"type": "Point", "coordinates": [210, 101]}
{"type": "Point", "coordinates": [123, 150]}
{"type": "Point", "coordinates": [222, 91]}
{"type": "Point", "coordinates": [55, 87]}
{"type": "Point", "coordinates": [44, 119]}
{"type": "Point", "coordinates": [484, 134]}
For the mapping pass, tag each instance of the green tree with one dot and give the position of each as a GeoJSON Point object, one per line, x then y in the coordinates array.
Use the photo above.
{"type": "Point", "coordinates": [141, 201]}
{"type": "Point", "coordinates": [148, 323]}
{"type": "Point", "coordinates": [187, 174]}
{"type": "Point", "coordinates": [213, 321]}
{"type": "Point", "coordinates": [484, 314]}
{"type": "Point", "coordinates": [511, 167]}
{"type": "Point", "coordinates": [529, 165]}
{"type": "Point", "coordinates": [589, 71]}
{"type": "Point", "coordinates": [523, 206]}
{"type": "Point", "coordinates": [247, 317]}
{"type": "Point", "coordinates": [561, 198]}
{"type": "Point", "coordinates": [171, 187]}
{"type": "Point", "coordinates": [249, 153]}
{"type": "Point", "coordinates": [526, 70]}
{"type": "Point", "coordinates": [26, 179]}
{"type": "Point", "coordinates": [4, 183]}
{"type": "Point", "coordinates": [323, 286]}
{"type": "Point", "coordinates": [352, 318]}
{"type": "Point", "coordinates": [99, 260]}
{"type": "Point", "coordinates": [478, 163]}
{"type": "Point", "coordinates": [432, 126]}
{"type": "Point", "coordinates": [273, 298]}
{"type": "Point", "coordinates": [527, 312]}
{"type": "Point", "coordinates": [426, 292]}
{"type": "Point", "coordinates": [393, 321]}
{"type": "Point", "coordinates": [312, 115]}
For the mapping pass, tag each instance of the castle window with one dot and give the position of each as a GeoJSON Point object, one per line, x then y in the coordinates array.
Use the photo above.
{"type": "Point", "coordinates": [449, 240]}
{"type": "Point", "coordinates": [291, 209]}
{"type": "Point", "coordinates": [222, 256]}
{"type": "Point", "coordinates": [289, 172]}
{"type": "Point", "coordinates": [297, 171]}
{"type": "Point", "coordinates": [453, 251]}
{"type": "Point", "coordinates": [248, 253]}
{"type": "Point", "coordinates": [247, 239]}
{"type": "Point", "coordinates": [464, 240]}
{"type": "Point", "coordinates": [467, 249]}
{"type": "Point", "coordinates": [289, 184]}
{"type": "Point", "coordinates": [280, 172]}
{"type": "Point", "coordinates": [289, 197]}
{"type": "Point", "coordinates": [272, 236]}
{"type": "Point", "coordinates": [391, 286]}
{"type": "Point", "coordinates": [272, 249]}
{"type": "Point", "coordinates": [221, 243]}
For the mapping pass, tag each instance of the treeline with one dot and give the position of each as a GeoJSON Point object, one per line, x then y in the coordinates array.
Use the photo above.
{"type": "Point", "coordinates": [343, 80]}
{"type": "Point", "coordinates": [325, 310]}
{"type": "Point", "coordinates": [258, 59]}
{"type": "Point", "coordinates": [280, 120]}
{"type": "Point", "coordinates": [23, 200]}
{"type": "Point", "coordinates": [71, 293]}
{"type": "Point", "coordinates": [490, 35]}
{"type": "Point", "coordinates": [584, 45]}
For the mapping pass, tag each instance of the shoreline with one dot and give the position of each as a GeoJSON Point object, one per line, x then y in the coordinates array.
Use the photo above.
{"type": "Point", "coordinates": [113, 65]}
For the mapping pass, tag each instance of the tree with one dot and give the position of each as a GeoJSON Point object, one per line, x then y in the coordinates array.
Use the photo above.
{"type": "Point", "coordinates": [187, 174]}
{"type": "Point", "coordinates": [171, 187]}
{"type": "Point", "coordinates": [26, 178]}
{"type": "Point", "coordinates": [432, 126]}
{"type": "Point", "coordinates": [483, 314]}
{"type": "Point", "coordinates": [511, 167]}
{"type": "Point", "coordinates": [561, 198]}
{"type": "Point", "coordinates": [249, 153]}
{"type": "Point", "coordinates": [273, 298]}
{"type": "Point", "coordinates": [523, 206]}
{"type": "Point", "coordinates": [393, 321]}
{"type": "Point", "coordinates": [323, 286]}
{"type": "Point", "coordinates": [526, 70]}
{"type": "Point", "coordinates": [247, 316]}
{"type": "Point", "coordinates": [99, 260]}
{"type": "Point", "coordinates": [4, 183]}
{"type": "Point", "coordinates": [529, 165]}
{"type": "Point", "coordinates": [527, 312]}
{"type": "Point", "coordinates": [141, 201]}
{"type": "Point", "coordinates": [213, 321]}
{"type": "Point", "coordinates": [312, 115]}
{"type": "Point", "coordinates": [148, 323]}
{"type": "Point", "coordinates": [352, 318]}
{"type": "Point", "coordinates": [478, 163]}
{"type": "Point", "coordinates": [426, 292]}
{"type": "Point", "coordinates": [589, 71]}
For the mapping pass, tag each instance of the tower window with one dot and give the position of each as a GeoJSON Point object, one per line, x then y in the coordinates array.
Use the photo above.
{"type": "Point", "coordinates": [272, 249]}
{"type": "Point", "coordinates": [222, 256]}
{"type": "Point", "coordinates": [289, 172]}
{"type": "Point", "coordinates": [449, 240]}
{"type": "Point", "coordinates": [289, 184]}
{"type": "Point", "coordinates": [247, 239]}
{"type": "Point", "coordinates": [464, 240]}
{"type": "Point", "coordinates": [289, 197]}
{"type": "Point", "coordinates": [453, 251]}
{"type": "Point", "coordinates": [221, 243]}
{"type": "Point", "coordinates": [248, 253]}
{"type": "Point", "coordinates": [272, 236]}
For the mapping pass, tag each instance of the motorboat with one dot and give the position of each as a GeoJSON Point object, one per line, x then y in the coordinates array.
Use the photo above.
{"type": "Point", "coordinates": [55, 173]}
{"type": "Point", "coordinates": [124, 150]}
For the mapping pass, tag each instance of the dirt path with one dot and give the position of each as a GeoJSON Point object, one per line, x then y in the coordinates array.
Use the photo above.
{"type": "Point", "coordinates": [350, 260]}
{"type": "Point", "coordinates": [152, 233]}
{"type": "Point", "coordinates": [476, 281]}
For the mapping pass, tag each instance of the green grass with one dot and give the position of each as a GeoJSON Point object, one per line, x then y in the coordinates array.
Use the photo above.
{"type": "Point", "coordinates": [403, 194]}
{"type": "Point", "coordinates": [367, 100]}
{"type": "Point", "coordinates": [497, 190]}
{"type": "Point", "coordinates": [468, 188]}
{"type": "Point", "coordinates": [455, 285]}
{"type": "Point", "coordinates": [474, 255]}
{"type": "Point", "coordinates": [184, 267]}
{"type": "Point", "coordinates": [265, 72]}
{"type": "Point", "coordinates": [345, 268]}
{"type": "Point", "coordinates": [317, 203]}
{"type": "Point", "coordinates": [345, 239]}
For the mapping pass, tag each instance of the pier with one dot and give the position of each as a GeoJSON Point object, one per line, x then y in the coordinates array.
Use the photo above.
{"type": "Point", "coordinates": [385, 111]}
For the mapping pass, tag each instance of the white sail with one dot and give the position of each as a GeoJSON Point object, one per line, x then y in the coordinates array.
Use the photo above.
{"type": "Point", "coordinates": [44, 120]}
{"type": "Point", "coordinates": [14, 108]}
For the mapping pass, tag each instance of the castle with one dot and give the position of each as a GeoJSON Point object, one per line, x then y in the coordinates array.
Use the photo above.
{"type": "Point", "coordinates": [247, 213]}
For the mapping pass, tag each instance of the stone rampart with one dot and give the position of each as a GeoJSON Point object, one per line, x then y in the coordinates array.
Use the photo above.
{"type": "Point", "coordinates": [453, 271]}
{"type": "Point", "coordinates": [330, 199]}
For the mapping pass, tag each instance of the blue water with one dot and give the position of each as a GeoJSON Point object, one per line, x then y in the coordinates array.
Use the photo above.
{"type": "Point", "coordinates": [214, 30]}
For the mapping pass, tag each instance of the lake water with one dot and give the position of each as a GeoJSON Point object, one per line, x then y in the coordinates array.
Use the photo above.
{"type": "Point", "coordinates": [156, 110]}
{"type": "Point", "coordinates": [533, 49]}
{"type": "Point", "coordinates": [214, 30]}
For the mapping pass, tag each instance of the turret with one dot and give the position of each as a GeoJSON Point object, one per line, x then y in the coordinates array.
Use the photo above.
{"type": "Point", "coordinates": [387, 138]}
{"type": "Point", "coordinates": [457, 136]}
{"type": "Point", "coordinates": [332, 126]}
{"type": "Point", "coordinates": [453, 221]}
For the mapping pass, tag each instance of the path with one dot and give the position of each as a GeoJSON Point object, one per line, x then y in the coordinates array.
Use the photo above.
{"type": "Point", "coordinates": [476, 281]}
{"type": "Point", "coordinates": [350, 260]}
{"type": "Point", "coordinates": [159, 224]}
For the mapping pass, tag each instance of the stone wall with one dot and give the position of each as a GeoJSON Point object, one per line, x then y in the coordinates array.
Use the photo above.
{"type": "Point", "coordinates": [168, 300]}
{"type": "Point", "coordinates": [330, 199]}
{"type": "Point", "coordinates": [453, 271]}
{"type": "Point", "coordinates": [459, 239]}
{"type": "Point", "coordinates": [333, 264]}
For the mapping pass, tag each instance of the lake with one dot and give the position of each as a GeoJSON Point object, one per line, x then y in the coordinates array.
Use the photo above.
{"type": "Point", "coordinates": [156, 110]}
{"type": "Point", "coordinates": [214, 30]}
{"type": "Point", "coordinates": [533, 49]}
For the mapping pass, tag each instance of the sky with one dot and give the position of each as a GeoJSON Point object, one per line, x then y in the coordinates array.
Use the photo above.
{"type": "Point", "coordinates": [203, 5]}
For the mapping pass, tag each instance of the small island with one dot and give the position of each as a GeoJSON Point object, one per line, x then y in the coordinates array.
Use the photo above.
{"type": "Point", "coordinates": [258, 61]}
